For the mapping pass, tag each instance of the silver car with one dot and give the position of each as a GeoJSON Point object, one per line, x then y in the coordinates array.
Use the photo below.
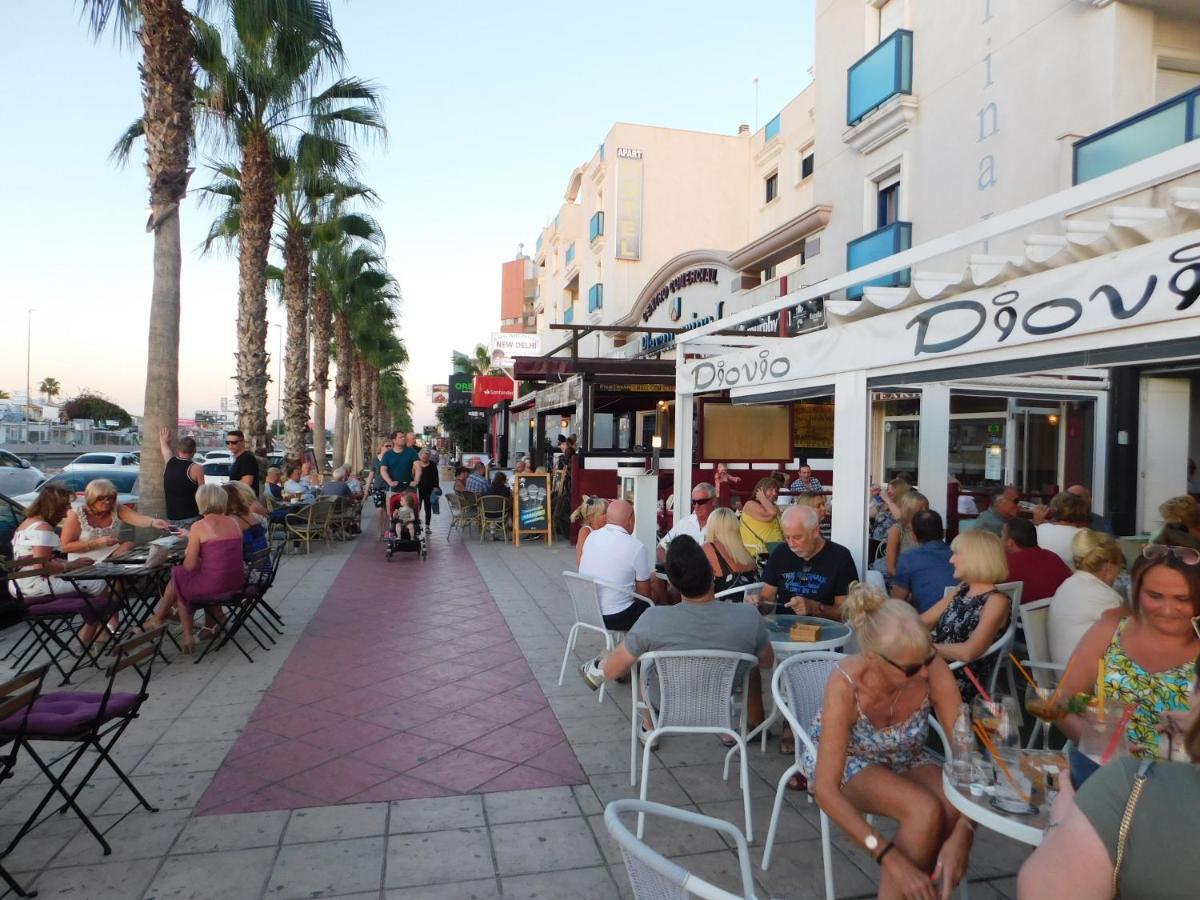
{"type": "Point", "coordinates": [17, 476]}
{"type": "Point", "coordinates": [125, 480]}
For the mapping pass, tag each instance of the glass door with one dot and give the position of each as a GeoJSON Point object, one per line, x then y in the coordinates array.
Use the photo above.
{"type": "Point", "coordinates": [1038, 449]}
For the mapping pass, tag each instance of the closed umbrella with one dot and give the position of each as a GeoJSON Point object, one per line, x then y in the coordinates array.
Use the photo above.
{"type": "Point", "coordinates": [354, 445]}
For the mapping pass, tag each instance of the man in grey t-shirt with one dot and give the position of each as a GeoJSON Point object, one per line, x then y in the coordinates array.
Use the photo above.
{"type": "Point", "coordinates": [698, 623]}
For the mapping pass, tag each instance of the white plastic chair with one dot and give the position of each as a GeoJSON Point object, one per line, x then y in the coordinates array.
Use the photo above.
{"type": "Point", "coordinates": [1035, 618]}
{"type": "Point", "coordinates": [585, 598]}
{"type": "Point", "coordinates": [1002, 646]}
{"type": "Point", "coordinates": [695, 697]}
{"type": "Point", "coordinates": [652, 875]}
{"type": "Point", "coordinates": [740, 591]}
{"type": "Point", "coordinates": [798, 689]}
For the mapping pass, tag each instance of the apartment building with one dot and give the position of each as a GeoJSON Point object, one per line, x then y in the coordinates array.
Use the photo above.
{"type": "Point", "coordinates": [518, 293]}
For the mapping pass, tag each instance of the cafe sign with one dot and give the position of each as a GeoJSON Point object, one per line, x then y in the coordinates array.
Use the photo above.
{"type": "Point", "coordinates": [1151, 284]}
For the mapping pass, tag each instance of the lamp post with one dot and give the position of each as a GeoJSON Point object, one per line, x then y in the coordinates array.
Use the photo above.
{"type": "Point", "coordinates": [278, 381]}
{"type": "Point", "coordinates": [28, 354]}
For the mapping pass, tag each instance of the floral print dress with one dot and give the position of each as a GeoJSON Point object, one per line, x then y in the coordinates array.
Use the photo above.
{"type": "Point", "coordinates": [899, 747]}
{"type": "Point", "coordinates": [1150, 695]}
{"type": "Point", "coordinates": [956, 626]}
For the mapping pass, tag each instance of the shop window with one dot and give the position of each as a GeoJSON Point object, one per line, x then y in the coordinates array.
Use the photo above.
{"type": "Point", "coordinates": [772, 186]}
{"type": "Point", "coordinates": [964, 403]}
{"type": "Point", "coordinates": [602, 431]}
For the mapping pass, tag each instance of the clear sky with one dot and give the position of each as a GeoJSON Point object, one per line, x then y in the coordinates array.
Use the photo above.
{"type": "Point", "coordinates": [489, 108]}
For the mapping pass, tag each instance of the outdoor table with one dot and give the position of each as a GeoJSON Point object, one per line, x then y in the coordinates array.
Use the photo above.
{"type": "Point", "coordinates": [834, 635]}
{"type": "Point", "coordinates": [1028, 829]}
{"type": "Point", "coordinates": [140, 586]}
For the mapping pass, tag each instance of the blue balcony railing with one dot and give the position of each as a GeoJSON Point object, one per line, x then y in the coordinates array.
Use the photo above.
{"type": "Point", "coordinates": [596, 226]}
{"type": "Point", "coordinates": [570, 255]}
{"type": "Point", "coordinates": [538, 245]}
{"type": "Point", "coordinates": [1169, 124]}
{"type": "Point", "coordinates": [595, 297]}
{"type": "Point", "coordinates": [879, 76]}
{"type": "Point", "coordinates": [771, 131]}
{"type": "Point", "coordinates": [879, 244]}
{"type": "Point", "coordinates": [569, 315]}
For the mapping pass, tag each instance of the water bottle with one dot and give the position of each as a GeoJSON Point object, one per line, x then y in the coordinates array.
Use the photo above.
{"type": "Point", "coordinates": [962, 747]}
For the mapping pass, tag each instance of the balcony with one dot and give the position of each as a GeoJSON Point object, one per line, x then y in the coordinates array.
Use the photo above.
{"type": "Point", "coordinates": [569, 257]}
{"type": "Point", "coordinates": [1169, 124]}
{"type": "Point", "coordinates": [880, 75]}
{"type": "Point", "coordinates": [537, 247]}
{"type": "Point", "coordinates": [879, 244]}
{"type": "Point", "coordinates": [595, 297]}
{"type": "Point", "coordinates": [771, 131]}
{"type": "Point", "coordinates": [569, 315]}
{"type": "Point", "coordinates": [596, 226]}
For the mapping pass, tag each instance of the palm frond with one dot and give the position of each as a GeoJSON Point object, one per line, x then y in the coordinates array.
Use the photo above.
{"type": "Point", "coordinates": [119, 154]}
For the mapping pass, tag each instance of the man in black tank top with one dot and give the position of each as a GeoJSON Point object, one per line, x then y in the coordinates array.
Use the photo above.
{"type": "Point", "coordinates": [181, 477]}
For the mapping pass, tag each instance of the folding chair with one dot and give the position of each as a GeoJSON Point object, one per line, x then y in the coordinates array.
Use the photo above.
{"type": "Point", "coordinates": [695, 697]}
{"type": "Point", "coordinates": [237, 606]}
{"type": "Point", "coordinates": [17, 697]}
{"type": "Point", "coordinates": [493, 516]}
{"type": "Point", "coordinates": [652, 875]}
{"type": "Point", "coordinates": [90, 721]}
{"type": "Point", "coordinates": [585, 599]}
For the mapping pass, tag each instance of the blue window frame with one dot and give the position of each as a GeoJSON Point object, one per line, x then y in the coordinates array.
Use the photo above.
{"type": "Point", "coordinates": [879, 244]}
{"type": "Point", "coordinates": [595, 297]}
{"type": "Point", "coordinates": [596, 226]}
{"type": "Point", "coordinates": [569, 315]}
{"type": "Point", "coordinates": [880, 75]}
{"type": "Point", "coordinates": [1161, 127]}
{"type": "Point", "coordinates": [772, 130]}
{"type": "Point", "coordinates": [570, 255]}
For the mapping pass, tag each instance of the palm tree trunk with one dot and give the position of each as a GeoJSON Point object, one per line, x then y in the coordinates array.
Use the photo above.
{"type": "Point", "coordinates": [254, 240]}
{"type": "Point", "coordinates": [356, 389]}
{"type": "Point", "coordinates": [168, 83]}
{"type": "Point", "coordinates": [295, 301]}
{"type": "Point", "coordinates": [342, 386]}
{"type": "Point", "coordinates": [320, 335]}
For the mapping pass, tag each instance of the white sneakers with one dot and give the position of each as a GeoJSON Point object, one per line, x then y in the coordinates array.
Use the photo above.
{"type": "Point", "coordinates": [592, 674]}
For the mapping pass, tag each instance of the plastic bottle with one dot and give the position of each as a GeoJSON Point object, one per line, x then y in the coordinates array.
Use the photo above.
{"type": "Point", "coordinates": [962, 747]}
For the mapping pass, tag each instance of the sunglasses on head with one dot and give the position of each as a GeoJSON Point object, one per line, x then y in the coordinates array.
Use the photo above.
{"type": "Point", "coordinates": [910, 671]}
{"type": "Point", "coordinates": [1159, 552]}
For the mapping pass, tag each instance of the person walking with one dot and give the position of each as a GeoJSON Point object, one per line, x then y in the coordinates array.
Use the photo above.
{"type": "Point", "coordinates": [182, 475]}
{"type": "Point", "coordinates": [425, 480]}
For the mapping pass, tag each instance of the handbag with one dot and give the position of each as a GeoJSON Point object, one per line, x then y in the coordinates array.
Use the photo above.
{"type": "Point", "coordinates": [433, 501]}
{"type": "Point", "coordinates": [1135, 794]}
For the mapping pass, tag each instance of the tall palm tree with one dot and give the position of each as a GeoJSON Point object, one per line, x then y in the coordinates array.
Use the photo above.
{"type": "Point", "coordinates": [257, 88]}
{"type": "Point", "coordinates": [478, 363]}
{"type": "Point", "coordinates": [50, 388]}
{"type": "Point", "coordinates": [163, 29]}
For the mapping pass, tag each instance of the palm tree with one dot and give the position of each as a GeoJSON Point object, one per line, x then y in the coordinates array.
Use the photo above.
{"type": "Point", "coordinates": [478, 363]}
{"type": "Point", "coordinates": [50, 388]}
{"type": "Point", "coordinates": [163, 29]}
{"type": "Point", "coordinates": [5, 395]}
{"type": "Point", "coordinates": [258, 91]}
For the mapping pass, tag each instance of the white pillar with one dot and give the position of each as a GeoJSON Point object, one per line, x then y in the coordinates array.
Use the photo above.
{"type": "Point", "coordinates": [851, 457]}
{"type": "Point", "coordinates": [1164, 416]}
{"type": "Point", "coordinates": [933, 457]}
{"type": "Point", "coordinates": [1100, 455]}
{"type": "Point", "coordinates": [684, 404]}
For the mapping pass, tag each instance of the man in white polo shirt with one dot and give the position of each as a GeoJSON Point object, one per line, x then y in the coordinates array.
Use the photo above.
{"type": "Point", "coordinates": [704, 501]}
{"type": "Point", "coordinates": [614, 555]}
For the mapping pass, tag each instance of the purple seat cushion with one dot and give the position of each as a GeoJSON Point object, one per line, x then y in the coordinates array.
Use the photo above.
{"type": "Point", "coordinates": [93, 609]}
{"type": "Point", "coordinates": [64, 713]}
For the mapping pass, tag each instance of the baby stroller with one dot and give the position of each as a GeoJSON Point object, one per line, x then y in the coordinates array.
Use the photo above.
{"type": "Point", "coordinates": [404, 537]}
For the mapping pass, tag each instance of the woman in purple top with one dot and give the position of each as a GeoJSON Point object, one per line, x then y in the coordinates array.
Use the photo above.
{"type": "Point", "coordinates": [212, 564]}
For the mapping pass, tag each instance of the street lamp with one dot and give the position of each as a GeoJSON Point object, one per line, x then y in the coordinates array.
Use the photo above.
{"type": "Point", "coordinates": [278, 379]}
{"type": "Point", "coordinates": [28, 350]}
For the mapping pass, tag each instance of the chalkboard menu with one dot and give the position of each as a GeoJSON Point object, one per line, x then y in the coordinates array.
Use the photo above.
{"type": "Point", "coordinates": [531, 507]}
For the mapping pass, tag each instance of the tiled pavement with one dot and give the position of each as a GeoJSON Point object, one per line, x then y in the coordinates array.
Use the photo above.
{"type": "Point", "coordinates": [477, 840]}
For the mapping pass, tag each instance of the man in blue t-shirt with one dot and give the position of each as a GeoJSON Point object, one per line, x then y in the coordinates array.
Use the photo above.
{"type": "Point", "coordinates": [924, 572]}
{"type": "Point", "coordinates": [396, 467]}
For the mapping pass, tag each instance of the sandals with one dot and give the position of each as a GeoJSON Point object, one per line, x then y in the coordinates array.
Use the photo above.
{"type": "Point", "coordinates": [797, 783]}
{"type": "Point", "coordinates": [787, 744]}
{"type": "Point", "coordinates": [207, 633]}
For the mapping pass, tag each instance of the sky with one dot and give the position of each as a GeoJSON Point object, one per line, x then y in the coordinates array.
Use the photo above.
{"type": "Point", "coordinates": [489, 108]}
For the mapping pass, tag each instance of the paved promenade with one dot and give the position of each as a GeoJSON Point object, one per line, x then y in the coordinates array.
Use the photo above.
{"type": "Point", "coordinates": [407, 739]}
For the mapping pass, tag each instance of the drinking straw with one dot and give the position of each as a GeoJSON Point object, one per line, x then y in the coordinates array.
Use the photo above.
{"type": "Point", "coordinates": [996, 758]}
{"type": "Point", "coordinates": [1021, 669]}
{"type": "Point", "coordinates": [978, 686]}
{"type": "Point", "coordinates": [1111, 747]}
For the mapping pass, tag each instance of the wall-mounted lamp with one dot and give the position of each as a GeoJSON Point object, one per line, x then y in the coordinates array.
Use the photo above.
{"type": "Point", "coordinates": [656, 446]}
{"type": "Point", "coordinates": [565, 423]}
{"type": "Point", "coordinates": [1052, 419]}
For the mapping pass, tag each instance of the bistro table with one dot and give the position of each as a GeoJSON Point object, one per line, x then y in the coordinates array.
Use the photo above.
{"type": "Point", "coordinates": [1028, 829]}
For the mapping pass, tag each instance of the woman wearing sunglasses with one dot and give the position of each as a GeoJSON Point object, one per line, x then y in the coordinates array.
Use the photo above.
{"type": "Point", "coordinates": [871, 749]}
{"type": "Point", "coordinates": [1148, 651]}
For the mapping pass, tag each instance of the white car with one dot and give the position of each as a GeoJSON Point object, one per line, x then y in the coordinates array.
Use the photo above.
{"type": "Point", "coordinates": [218, 456]}
{"type": "Point", "coordinates": [17, 476]}
{"type": "Point", "coordinates": [102, 460]}
{"type": "Point", "coordinates": [216, 471]}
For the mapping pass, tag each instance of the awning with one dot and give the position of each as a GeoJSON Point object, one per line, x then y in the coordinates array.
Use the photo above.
{"type": "Point", "coordinates": [539, 368]}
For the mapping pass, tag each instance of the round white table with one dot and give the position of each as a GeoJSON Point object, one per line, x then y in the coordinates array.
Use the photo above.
{"type": "Point", "coordinates": [1026, 829]}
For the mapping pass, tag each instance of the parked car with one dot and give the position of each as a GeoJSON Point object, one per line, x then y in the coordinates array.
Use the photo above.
{"type": "Point", "coordinates": [125, 478]}
{"type": "Point", "coordinates": [98, 460]}
{"type": "Point", "coordinates": [199, 457]}
{"type": "Point", "coordinates": [12, 514]}
{"type": "Point", "coordinates": [218, 456]}
{"type": "Point", "coordinates": [17, 476]}
{"type": "Point", "coordinates": [217, 472]}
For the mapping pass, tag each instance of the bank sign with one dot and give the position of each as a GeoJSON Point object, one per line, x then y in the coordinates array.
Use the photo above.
{"type": "Point", "coordinates": [1154, 283]}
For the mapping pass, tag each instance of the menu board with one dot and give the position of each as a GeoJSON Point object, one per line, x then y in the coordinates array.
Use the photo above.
{"type": "Point", "coordinates": [531, 509]}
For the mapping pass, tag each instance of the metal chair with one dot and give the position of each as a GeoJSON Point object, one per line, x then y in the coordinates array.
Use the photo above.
{"type": "Point", "coordinates": [740, 592]}
{"type": "Point", "coordinates": [696, 696]}
{"type": "Point", "coordinates": [1002, 646]}
{"type": "Point", "coordinates": [585, 599]}
{"type": "Point", "coordinates": [237, 607]}
{"type": "Point", "coordinates": [493, 516]}
{"type": "Point", "coordinates": [17, 697]}
{"type": "Point", "coordinates": [652, 875]}
{"type": "Point", "coordinates": [461, 516]}
{"type": "Point", "coordinates": [1035, 624]}
{"type": "Point", "coordinates": [311, 523]}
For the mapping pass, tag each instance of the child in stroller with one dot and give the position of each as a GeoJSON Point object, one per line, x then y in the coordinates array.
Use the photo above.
{"type": "Point", "coordinates": [404, 532]}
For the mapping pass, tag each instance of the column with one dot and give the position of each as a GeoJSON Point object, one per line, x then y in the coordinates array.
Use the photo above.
{"type": "Point", "coordinates": [684, 404]}
{"type": "Point", "coordinates": [851, 446]}
{"type": "Point", "coordinates": [1163, 434]}
{"type": "Point", "coordinates": [933, 456]}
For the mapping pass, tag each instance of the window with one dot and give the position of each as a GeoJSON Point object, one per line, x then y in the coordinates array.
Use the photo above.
{"type": "Point", "coordinates": [772, 186]}
{"type": "Point", "coordinates": [768, 273]}
{"type": "Point", "coordinates": [888, 204]}
{"type": "Point", "coordinates": [806, 163]}
{"type": "Point", "coordinates": [890, 17]}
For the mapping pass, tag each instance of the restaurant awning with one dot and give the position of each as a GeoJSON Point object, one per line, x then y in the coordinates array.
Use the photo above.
{"type": "Point", "coordinates": [540, 368]}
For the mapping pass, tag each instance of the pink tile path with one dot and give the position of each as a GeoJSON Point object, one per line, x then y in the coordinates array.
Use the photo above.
{"type": "Point", "coordinates": [406, 683]}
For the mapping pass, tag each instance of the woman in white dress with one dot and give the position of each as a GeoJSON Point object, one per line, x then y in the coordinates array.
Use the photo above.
{"type": "Point", "coordinates": [91, 529]}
